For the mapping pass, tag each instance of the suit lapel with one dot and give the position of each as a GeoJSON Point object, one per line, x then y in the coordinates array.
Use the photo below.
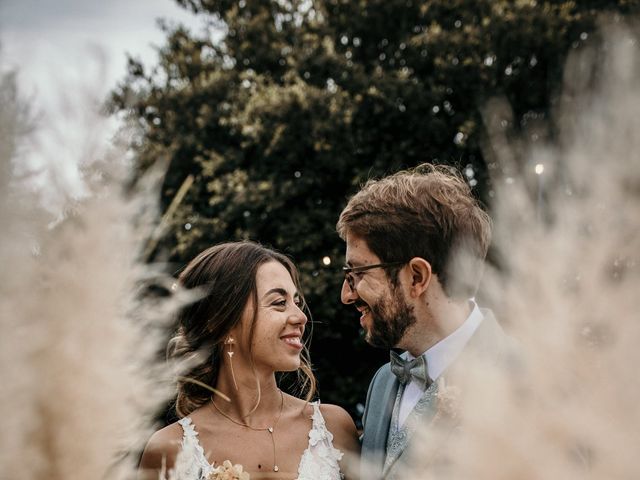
{"type": "Point", "coordinates": [377, 419]}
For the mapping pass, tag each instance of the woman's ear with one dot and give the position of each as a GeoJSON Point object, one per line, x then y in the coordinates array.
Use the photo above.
{"type": "Point", "coordinates": [421, 275]}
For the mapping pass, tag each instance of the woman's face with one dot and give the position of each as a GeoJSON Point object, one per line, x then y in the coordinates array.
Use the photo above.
{"type": "Point", "coordinates": [280, 322]}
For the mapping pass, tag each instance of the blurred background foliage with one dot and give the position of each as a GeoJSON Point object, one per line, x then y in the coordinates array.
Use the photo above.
{"type": "Point", "coordinates": [279, 110]}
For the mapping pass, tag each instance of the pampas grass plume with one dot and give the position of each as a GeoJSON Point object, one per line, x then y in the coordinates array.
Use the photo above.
{"type": "Point", "coordinates": [79, 378]}
{"type": "Point", "coordinates": [566, 291]}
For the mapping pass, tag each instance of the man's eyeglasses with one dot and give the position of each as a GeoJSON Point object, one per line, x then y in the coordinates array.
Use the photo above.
{"type": "Point", "coordinates": [349, 272]}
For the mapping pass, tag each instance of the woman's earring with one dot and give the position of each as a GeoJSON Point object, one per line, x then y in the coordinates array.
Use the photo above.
{"type": "Point", "coordinates": [230, 342]}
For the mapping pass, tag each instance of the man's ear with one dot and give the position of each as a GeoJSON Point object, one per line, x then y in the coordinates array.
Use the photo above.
{"type": "Point", "coordinates": [420, 276]}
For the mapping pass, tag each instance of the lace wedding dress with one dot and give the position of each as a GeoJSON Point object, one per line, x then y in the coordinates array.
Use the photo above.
{"type": "Point", "coordinates": [319, 461]}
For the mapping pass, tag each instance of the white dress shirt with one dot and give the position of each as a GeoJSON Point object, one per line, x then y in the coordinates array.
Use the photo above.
{"type": "Point", "coordinates": [439, 357]}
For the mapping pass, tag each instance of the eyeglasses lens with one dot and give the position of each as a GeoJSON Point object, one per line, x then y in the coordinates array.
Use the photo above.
{"type": "Point", "coordinates": [349, 278]}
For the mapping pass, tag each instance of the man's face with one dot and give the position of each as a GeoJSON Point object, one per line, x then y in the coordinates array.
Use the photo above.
{"type": "Point", "coordinates": [385, 313]}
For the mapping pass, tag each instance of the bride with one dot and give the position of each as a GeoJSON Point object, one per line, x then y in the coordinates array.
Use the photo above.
{"type": "Point", "coordinates": [248, 324]}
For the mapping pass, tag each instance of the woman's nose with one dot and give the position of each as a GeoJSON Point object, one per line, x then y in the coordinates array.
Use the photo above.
{"type": "Point", "coordinates": [299, 317]}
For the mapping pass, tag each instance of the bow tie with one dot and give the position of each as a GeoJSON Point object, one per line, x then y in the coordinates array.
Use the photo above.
{"type": "Point", "coordinates": [408, 370]}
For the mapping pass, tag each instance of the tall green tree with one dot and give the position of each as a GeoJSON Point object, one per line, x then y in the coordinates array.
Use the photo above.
{"type": "Point", "coordinates": [283, 108]}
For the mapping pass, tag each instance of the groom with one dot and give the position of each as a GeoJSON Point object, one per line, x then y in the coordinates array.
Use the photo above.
{"type": "Point", "coordinates": [415, 247]}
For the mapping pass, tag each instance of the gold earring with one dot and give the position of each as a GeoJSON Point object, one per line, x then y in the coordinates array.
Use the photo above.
{"type": "Point", "coordinates": [230, 342]}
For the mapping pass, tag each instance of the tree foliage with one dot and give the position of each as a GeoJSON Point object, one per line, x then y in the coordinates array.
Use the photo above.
{"type": "Point", "coordinates": [300, 101]}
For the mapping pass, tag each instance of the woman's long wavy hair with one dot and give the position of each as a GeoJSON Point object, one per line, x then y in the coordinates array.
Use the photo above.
{"type": "Point", "coordinates": [226, 276]}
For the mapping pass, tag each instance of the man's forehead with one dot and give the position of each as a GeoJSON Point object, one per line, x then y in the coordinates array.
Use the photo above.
{"type": "Point", "coordinates": [358, 251]}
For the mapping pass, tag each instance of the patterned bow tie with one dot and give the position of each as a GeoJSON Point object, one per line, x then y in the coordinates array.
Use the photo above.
{"type": "Point", "coordinates": [408, 370]}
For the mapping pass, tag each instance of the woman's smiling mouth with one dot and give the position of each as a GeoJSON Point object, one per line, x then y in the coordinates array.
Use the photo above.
{"type": "Point", "coordinates": [293, 340]}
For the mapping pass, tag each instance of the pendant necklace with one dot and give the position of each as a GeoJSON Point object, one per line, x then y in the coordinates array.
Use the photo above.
{"type": "Point", "coordinates": [270, 429]}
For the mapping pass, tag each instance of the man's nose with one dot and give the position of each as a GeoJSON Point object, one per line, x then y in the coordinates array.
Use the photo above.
{"type": "Point", "coordinates": [347, 295]}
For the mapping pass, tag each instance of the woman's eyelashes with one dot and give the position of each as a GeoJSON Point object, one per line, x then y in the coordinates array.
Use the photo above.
{"type": "Point", "coordinates": [281, 303]}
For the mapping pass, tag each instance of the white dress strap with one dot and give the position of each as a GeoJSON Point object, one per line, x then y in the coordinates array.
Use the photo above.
{"type": "Point", "coordinates": [191, 461]}
{"type": "Point", "coordinates": [320, 460]}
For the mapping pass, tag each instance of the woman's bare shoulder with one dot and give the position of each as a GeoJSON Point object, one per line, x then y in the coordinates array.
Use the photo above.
{"type": "Point", "coordinates": [299, 406]}
{"type": "Point", "coordinates": [337, 420]}
{"type": "Point", "coordinates": [162, 448]}
{"type": "Point", "coordinates": [341, 425]}
{"type": "Point", "coordinates": [337, 416]}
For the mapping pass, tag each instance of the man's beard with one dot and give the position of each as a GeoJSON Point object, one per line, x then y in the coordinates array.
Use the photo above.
{"type": "Point", "coordinates": [390, 319]}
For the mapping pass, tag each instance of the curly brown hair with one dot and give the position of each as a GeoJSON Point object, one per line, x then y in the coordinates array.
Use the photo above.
{"type": "Point", "coordinates": [426, 212]}
{"type": "Point", "coordinates": [225, 276]}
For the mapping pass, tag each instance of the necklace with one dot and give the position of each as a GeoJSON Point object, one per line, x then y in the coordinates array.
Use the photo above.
{"type": "Point", "coordinates": [270, 429]}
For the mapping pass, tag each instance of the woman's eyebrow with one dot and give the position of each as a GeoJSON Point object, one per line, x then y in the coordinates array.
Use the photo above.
{"type": "Point", "coordinates": [279, 291]}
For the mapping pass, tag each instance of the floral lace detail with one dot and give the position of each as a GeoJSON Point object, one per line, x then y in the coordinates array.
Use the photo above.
{"type": "Point", "coordinates": [191, 462]}
{"type": "Point", "coordinates": [320, 460]}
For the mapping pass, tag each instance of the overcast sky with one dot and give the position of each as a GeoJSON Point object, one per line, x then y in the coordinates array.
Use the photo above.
{"type": "Point", "coordinates": [69, 54]}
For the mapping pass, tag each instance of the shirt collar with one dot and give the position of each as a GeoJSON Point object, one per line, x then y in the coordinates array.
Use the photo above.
{"type": "Point", "coordinates": [443, 353]}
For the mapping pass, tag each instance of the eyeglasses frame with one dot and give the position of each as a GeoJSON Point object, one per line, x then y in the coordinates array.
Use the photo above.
{"type": "Point", "coordinates": [350, 270]}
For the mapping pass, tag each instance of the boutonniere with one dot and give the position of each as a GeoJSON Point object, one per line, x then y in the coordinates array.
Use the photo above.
{"type": "Point", "coordinates": [227, 471]}
{"type": "Point", "coordinates": [448, 400]}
